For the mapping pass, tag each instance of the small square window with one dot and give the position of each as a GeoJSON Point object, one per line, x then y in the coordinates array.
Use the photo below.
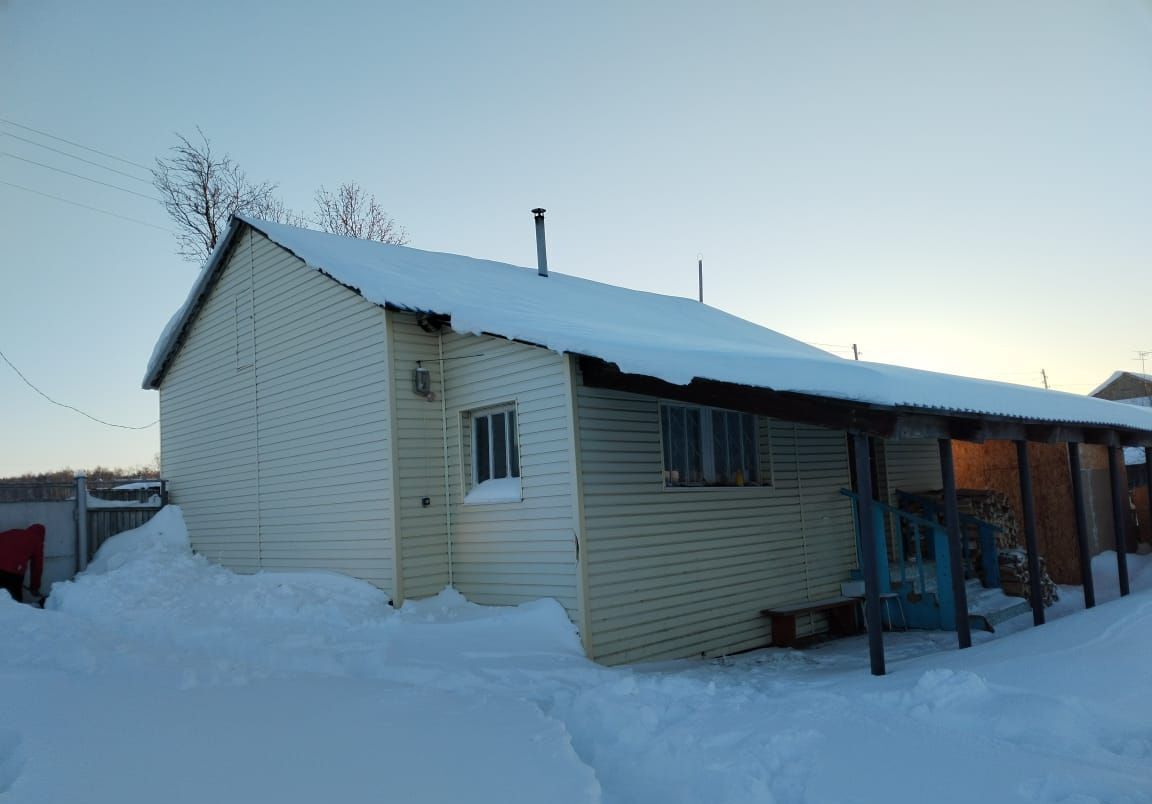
{"type": "Point", "coordinates": [495, 457]}
{"type": "Point", "coordinates": [709, 447]}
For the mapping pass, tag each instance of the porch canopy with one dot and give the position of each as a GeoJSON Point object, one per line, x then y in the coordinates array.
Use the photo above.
{"type": "Point", "coordinates": [895, 421]}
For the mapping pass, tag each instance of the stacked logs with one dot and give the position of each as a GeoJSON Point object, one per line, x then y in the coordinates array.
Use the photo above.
{"type": "Point", "coordinates": [1014, 577]}
{"type": "Point", "coordinates": [992, 507]}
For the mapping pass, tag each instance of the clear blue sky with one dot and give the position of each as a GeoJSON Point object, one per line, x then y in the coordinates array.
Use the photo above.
{"type": "Point", "coordinates": [961, 186]}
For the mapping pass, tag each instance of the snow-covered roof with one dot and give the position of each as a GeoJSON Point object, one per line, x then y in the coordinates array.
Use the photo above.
{"type": "Point", "coordinates": [673, 339]}
{"type": "Point", "coordinates": [1117, 375]}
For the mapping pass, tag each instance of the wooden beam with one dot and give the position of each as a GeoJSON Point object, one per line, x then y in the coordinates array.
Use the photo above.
{"type": "Point", "coordinates": [1053, 433]}
{"type": "Point", "coordinates": [922, 426]}
{"type": "Point", "coordinates": [1002, 430]}
{"type": "Point", "coordinates": [1134, 438]}
{"type": "Point", "coordinates": [1104, 437]}
{"type": "Point", "coordinates": [964, 429]}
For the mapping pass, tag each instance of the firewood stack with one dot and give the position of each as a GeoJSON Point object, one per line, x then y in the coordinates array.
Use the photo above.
{"type": "Point", "coordinates": [1014, 577]}
{"type": "Point", "coordinates": [992, 507]}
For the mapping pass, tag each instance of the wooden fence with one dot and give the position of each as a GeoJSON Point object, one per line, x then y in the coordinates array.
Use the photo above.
{"type": "Point", "coordinates": [104, 523]}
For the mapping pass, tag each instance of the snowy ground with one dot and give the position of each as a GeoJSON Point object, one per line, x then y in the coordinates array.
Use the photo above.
{"type": "Point", "coordinates": [157, 677]}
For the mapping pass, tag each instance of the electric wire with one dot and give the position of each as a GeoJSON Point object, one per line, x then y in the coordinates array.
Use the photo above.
{"type": "Point", "coordinates": [85, 206]}
{"type": "Point", "coordinates": [28, 382]}
{"type": "Point", "coordinates": [78, 145]}
{"type": "Point", "coordinates": [74, 156]}
{"type": "Point", "coordinates": [79, 176]}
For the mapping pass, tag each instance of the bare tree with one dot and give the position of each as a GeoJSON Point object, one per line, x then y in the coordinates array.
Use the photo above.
{"type": "Point", "coordinates": [201, 189]}
{"type": "Point", "coordinates": [276, 212]}
{"type": "Point", "coordinates": [353, 212]}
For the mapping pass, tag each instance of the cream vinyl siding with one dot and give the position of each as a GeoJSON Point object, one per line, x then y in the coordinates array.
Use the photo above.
{"type": "Point", "coordinates": [422, 532]}
{"type": "Point", "coordinates": [322, 394]}
{"type": "Point", "coordinates": [683, 572]}
{"type": "Point", "coordinates": [208, 424]}
{"type": "Point", "coordinates": [276, 441]}
{"type": "Point", "coordinates": [911, 465]}
{"type": "Point", "coordinates": [512, 552]}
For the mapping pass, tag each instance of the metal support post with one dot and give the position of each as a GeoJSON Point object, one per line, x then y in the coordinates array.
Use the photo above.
{"type": "Point", "coordinates": [1035, 591]}
{"type": "Point", "coordinates": [1081, 525]}
{"type": "Point", "coordinates": [1119, 514]}
{"type": "Point", "coordinates": [872, 614]}
{"type": "Point", "coordinates": [952, 520]}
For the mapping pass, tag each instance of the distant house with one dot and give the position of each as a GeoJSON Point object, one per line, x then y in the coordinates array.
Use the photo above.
{"type": "Point", "coordinates": [1130, 388]}
{"type": "Point", "coordinates": [1126, 386]}
{"type": "Point", "coordinates": [663, 469]}
{"type": "Point", "coordinates": [1133, 388]}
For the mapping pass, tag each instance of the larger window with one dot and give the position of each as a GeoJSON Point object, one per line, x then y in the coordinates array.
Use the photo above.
{"type": "Point", "coordinates": [495, 455]}
{"type": "Point", "coordinates": [709, 447]}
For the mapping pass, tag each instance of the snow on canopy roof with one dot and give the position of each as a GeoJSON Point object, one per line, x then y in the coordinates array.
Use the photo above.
{"type": "Point", "coordinates": [673, 339]}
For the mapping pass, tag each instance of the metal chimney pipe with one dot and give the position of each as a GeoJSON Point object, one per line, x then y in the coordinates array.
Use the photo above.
{"type": "Point", "coordinates": [541, 248]}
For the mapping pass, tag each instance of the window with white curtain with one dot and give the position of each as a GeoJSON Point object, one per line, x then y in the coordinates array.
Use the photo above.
{"type": "Point", "coordinates": [706, 446]}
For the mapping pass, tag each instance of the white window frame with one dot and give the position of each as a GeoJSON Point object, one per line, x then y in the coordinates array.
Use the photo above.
{"type": "Point", "coordinates": [511, 448]}
{"type": "Point", "coordinates": [707, 451]}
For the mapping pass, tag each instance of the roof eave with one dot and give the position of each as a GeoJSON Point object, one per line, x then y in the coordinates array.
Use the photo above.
{"type": "Point", "coordinates": [883, 421]}
{"type": "Point", "coordinates": [196, 298]}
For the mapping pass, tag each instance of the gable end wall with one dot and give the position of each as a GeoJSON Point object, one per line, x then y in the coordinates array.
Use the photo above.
{"type": "Point", "coordinates": [298, 476]}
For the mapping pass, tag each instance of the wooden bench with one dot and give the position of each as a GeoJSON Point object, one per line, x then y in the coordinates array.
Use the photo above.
{"type": "Point", "coordinates": [841, 613]}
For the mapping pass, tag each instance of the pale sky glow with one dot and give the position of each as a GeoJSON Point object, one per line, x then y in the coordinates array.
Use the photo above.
{"type": "Point", "coordinates": [963, 186]}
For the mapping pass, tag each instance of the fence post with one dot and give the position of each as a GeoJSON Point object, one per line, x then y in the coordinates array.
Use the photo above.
{"type": "Point", "coordinates": [81, 522]}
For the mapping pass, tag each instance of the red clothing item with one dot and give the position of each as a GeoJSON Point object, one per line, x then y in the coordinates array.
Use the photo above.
{"type": "Point", "coordinates": [19, 548]}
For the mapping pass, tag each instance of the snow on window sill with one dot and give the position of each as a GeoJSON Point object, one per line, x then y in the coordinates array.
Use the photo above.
{"type": "Point", "coordinates": [501, 490]}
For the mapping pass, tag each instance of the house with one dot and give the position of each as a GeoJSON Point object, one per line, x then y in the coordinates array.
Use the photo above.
{"type": "Point", "coordinates": [1126, 386]}
{"type": "Point", "coordinates": [664, 470]}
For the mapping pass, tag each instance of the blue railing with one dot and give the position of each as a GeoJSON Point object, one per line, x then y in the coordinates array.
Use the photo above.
{"type": "Point", "coordinates": [916, 542]}
{"type": "Point", "coordinates": [891, 542]}
{"type": "Point", "coordinates": [985, 533]}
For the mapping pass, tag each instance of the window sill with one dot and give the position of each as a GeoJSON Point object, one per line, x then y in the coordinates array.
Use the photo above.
{"type": "Point", "coordinates": [697, 489]}
{"type": "Point", "coordinates": [490, 492]}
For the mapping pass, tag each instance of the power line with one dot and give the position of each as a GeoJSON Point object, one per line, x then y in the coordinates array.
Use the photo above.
{"type": "Point", "coordinates": [78, 145]}
{"type": "Point", "coordinates": [73, 156]}
{"type": "Point", "coordinates": [79, 176]}
{"type": "Point", "coordinates": [70, 407]}
{"type": "Point", "coordinates": [85, 206]}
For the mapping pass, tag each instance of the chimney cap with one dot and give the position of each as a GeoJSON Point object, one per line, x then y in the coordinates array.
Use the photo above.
{"type": "Point", "coordinates": [539, 212]}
